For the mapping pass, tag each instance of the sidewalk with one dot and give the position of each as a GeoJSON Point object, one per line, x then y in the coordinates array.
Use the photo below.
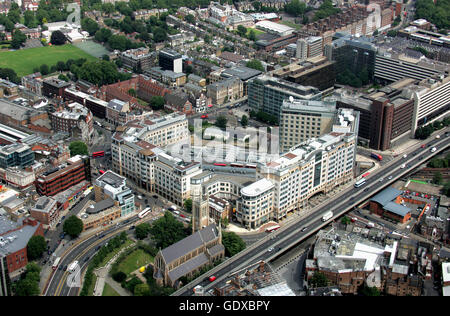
{"type": "Point", "coordinates": [102, 275]}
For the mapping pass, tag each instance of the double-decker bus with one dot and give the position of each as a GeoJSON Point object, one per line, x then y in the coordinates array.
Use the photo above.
{"type": "Point", "coordinates": [272, 228]}
{"type": "Point", "coordinates": [220, 164]}
{"type": "Point", "coordinates": [376, 156]}
{"type": "Point", "coordinates": [145, 212]}
{"type": "Point", "coordinates": [98, 154]}
{"type": "Point", "coordinates": [360, 182]}
{"type": "Point", "coordinates": [56, 263]}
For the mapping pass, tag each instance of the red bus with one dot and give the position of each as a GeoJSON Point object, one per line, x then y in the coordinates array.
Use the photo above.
{"type": "Point", "coordinates": [101, 171]}
{"type": "Point", "coordinates": [220, 164]}
{"type": "Point", "coordinates": [365, 175]}
{"type": "Point", "coordinates": [237, 165]}
{"type": "Point", "coordinates": [98, 154]}
{"type": "Point", "coordinates": [272, 228]}
{"type": "Point", "coordinates": [376, 156]}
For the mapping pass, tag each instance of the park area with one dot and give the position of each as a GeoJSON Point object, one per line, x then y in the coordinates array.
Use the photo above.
{"type": "Point", "coordinates": [24, 61]}
{"type": "Point", "coordinates": [134, 261]}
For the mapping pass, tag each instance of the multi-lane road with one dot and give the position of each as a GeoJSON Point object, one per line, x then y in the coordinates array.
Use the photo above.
{"type": "Point", "coordinates": [294, 233]}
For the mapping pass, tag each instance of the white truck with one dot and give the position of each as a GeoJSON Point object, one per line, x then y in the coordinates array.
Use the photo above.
{"type": "Point", "coordinates": [327, 216]}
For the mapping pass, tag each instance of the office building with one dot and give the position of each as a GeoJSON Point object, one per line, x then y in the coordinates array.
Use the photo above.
{"type": "Point", "coordinates": [255, 206]}
{"type": "Point", "coordinates": [317, 165]}
{"type": "Point", "coordinates": [316, 71]}
{"type": "Point", "coordinates": [99, 214]}
{"type": "Point", "coordinates": [302, 49]}
{"type": "Point", "coordinates": [64, 176]}
{"type": "Point", "coordinates": [96, 106]}
{"type": "Point", "coordinates": [315, 46]}
{"type": "Point", "coordinates": [114, 186]}
{"type": "Point", "coordinates": [138, 59]}
{"type": "Point", "coordinates": [352, 53]}
{"type": "Point", "coordinates": [301, 120]}
{"type": "Point", "coordinates": [173, 178]}
{"type": "Point", "coordinates": [170, 60]}
{"type": "Point", "coordinates": [16, 154]}
{"type": "Point", "coordinates": [135, 146]}
{"type": "Point", "coordinates": [267, 93]}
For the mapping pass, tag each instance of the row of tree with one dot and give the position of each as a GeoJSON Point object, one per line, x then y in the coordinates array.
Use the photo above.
{"type": "Point", "coordinates": [423, 132]}
{"type": "Point", "coordinates": [436, 12]}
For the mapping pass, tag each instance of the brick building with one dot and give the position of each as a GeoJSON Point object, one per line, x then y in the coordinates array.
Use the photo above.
{"type": "Point", "coordinates": [387, 204]}
{"type": "Point", "coordinates": [54, 87]}
{"type": "Point", "coordinates": [55, 180]}
{"type": "Point", "coordinates": [14, 237]}
{"type": "Point", "coordinates": [46, 211]}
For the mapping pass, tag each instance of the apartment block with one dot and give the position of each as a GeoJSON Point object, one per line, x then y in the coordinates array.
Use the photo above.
{"type": "Point", "coordinates": [46, 211]}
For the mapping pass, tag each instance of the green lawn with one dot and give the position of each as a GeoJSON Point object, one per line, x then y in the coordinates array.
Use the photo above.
{"type": "Point", "coordinates": [257, 32]}
{"type": "Point", "coordinates": [112, 254]}
{"type": "Point", "coordinates": [109, 291]}
{"type": "Point", "coordinates": [92, 287]}
{"type": "Point", "coordinates": [291, 24]}
{"type": "Point", "coordinates": [23, 61]}
{"type": "Point", "coordinates": [134, 261]}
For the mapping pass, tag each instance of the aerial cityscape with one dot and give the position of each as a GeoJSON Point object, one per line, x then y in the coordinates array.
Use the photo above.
{"type": "Point", "coordinates": [205, 149]}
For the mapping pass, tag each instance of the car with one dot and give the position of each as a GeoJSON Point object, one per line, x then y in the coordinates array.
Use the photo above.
{"type": "Point", "coordinates": [204, 116]}
{"type": "Point", "coordinates": [366, 189]}
{"type": "Point", "coordinates": [405, 155]}
{"type": "Point", "coordinates": [402, 166]}
{"type": "Point", "coordinates": [437, 136]}
{"type": "Point", "coordinates": [132, 227]}
{"type": "Point", "coordinates": [212, 278]}
{"type": "Point", "coordinates": [423, 146]}
{"type": "Point", "coordinates": [60, 268]}
{"type": "Point", "coordinates": [270, 249]}
{"type": "Point", "coordinates": [304, 229]}
{"type": "Point", "coordinates": [182, 215]}
{"type": "Point", "coordinates": [381, 179]}
{"type": "Point", "coordinates": [86, 259]}
{"type": "Point", "coordinates": [154, 196]}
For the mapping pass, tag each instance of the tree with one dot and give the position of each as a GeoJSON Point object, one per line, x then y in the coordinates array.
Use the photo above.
{"type": "Point", "coordinates": [28, 285]}
{"type": "Point", "coordinates": [119, 276]}
{"type": "Point", "coordinates": [252, 35]}
{"type": "Point", "coordinates": [242, 30]}
{"type": "Point", "coordinates": [370, 291]}
{"type": "Point", "coordinates": [18, 39]}
{"type": "Point", "coordinates": [188, 205]}
{"type": "Point", "coordinates": [89, 26]}
{"type": "Point", "coordinates": [157, 102]}
{"type": "Point", "coordinates": [167, 231]}
{"type": "Point", "coordinates": [44, 69]}
{"type": "Point", "coordinates": [103, 35]}
{"type": "Point", "coordinates": [78, 148]}
{"type": "Point", "coordinates": [221, 122]}
{"type": "Point", "coordinates": [9, 74]}
{"type": "Point", "coordinates": [142, 230]}
{"type": "Point", "coordinates": [36, 247]}
{"type": "Point", "coordinates": [190, 19]}
{"type": "Point", "coordinates": [319, 280]}
{"type": "Point", "coordinates": [295, 7]}
{"type": "Point", "coordinates": [244, 121]}
{"type": "Point", "coordinates": [255, 64]}
{"type": "Point", "coordinates": [159, 35]}
{"type": "Point", "coordinates": [29, 19]}
{"type": "Point", "coordinates": [345, 220]}
{"type": "Point", "coordinates": [232, 243]}
{"type": "Point", "coordinates": [142, 290]}
{"type": "Point", "coordinates": [58, 38]}
{"type": "Point", "coordinates": [437, 178]}
{"type": "Point", "coordinates": [73, 226]}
